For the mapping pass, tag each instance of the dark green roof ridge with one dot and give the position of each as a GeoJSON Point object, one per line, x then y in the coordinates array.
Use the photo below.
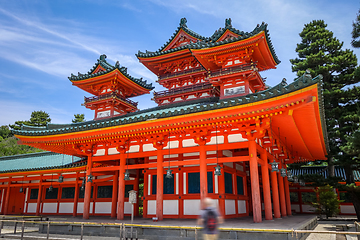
{"type": "Point", "coordinates": [108, 68]}
{"type": "Point", "coordinates": [185, 108]}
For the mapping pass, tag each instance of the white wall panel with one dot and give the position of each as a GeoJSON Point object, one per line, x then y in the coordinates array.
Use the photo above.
{"type": "Point", "coordinates": [151, 207]}
{"type": "Point", "coordinates": [49, 208]}
{"type": "Point", "coordinates": [229, 206]}
{"type": "Point", "coordinates": [295, 207]}
{"type": "Point", "coordinates": [67, 207]}
{"type": "Point", "coordinates": [31, 208]}
{"type": "Point", "coordinates": [192, 207]}
{"type": "Point", "coordinates": [189, 143]}
{"type": "Point", "coordinates": [80, 208]}
{"type": "Point", "coordinates": [103, 207]}
{"type": "Point", "coordinates": [171, 207]}
{"type": "Point", "coordinates": [241, 206]}
{"type": "Point", "coordinates": [236, 138]}
{"type": "Point", "coordinates": [148, 147]}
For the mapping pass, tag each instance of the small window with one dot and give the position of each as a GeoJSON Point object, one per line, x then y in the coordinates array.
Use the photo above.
{"type": "Point", "coordinates": [308, 197]}
{"type": "Point", "coordinates": [153, 184]}
{"type": "Point", "coordinates": [168, 185]}
{"type": "Point", "coordinates": [228, 183]}
{"type": "Point", "coordinates": [82, 192]}
{"type": "Point", "coordinates": [68, 192]}
{"type": "Point", "coordinates": [210, 182]}
{"type": "Point", "coordinates": [194, 182]}
{"type": "Point", "coordinates": [294, 197]}
{"type": "Point", "coordinates": [104, 191]}
{"type": "Point", "coordinates": [127, 189]}
{"type": "Point", "coordinates": [240, 185]}
{"type": "Point", "coordinates": [51, 195]}
{"type": "Point", "coordinates": [34, 193]}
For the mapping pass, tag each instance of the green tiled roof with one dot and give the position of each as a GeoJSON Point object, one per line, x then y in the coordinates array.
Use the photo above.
{"type": "Point", "coordinates": [322, 170]}
{"type": "Point", "coordinates": [211, 41]}
{"type": "Point", "coordinates": [184, 108]}
{"type": "Point", "coordinates": [109, 68]}
{"type": "Point", "coordinates": [38, 161]}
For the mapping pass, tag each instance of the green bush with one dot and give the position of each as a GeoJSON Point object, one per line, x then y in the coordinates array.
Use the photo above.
{"type": "Point", "coordinates": [327, 202]}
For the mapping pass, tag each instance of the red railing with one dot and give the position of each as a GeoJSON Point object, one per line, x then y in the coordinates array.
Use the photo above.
{"type": "Point", "coordinates": [190, 88]}
{"type": "Point", "coordinates": [231, 70]}
{"type": "Point", "coordinates": [110, 95]}
{"type": "Point", "coordinates": [176, 74]}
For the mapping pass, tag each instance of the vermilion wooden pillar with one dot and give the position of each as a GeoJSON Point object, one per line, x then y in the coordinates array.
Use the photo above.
{"type": "Point", "coordinates": [121, 191]}
{"type": "Point", "coordinates": [203, 173]}
{"type": "Point", "coordinates": [254, 179]}
{"type": "Point", "coordinates": [282, 195]}
{"type": "Point", "coordinates": [159, 184]}
{"type": "Point", "coordinates": [266, 186]}
{"type": "Point", "coordinates": [136, 188]}
{"type": "Point", "coordinates": [114, 194]}
{"type": "Point", "coordinates": [287, 196]}
{"type": "Point", "coordinates": [76, 197]}
{"type": "Point", "coordinates": [38, 202]}
{"type": "Point", "coordinates": [87, 195]}
{"type": "Point", "coordinates": [7, 197]}
{"type": "Point", "coordinates": [275, 194]}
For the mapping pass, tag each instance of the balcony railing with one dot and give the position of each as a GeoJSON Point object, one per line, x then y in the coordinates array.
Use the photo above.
{"type": "Point", "coordinates": [190, 88]}
{"type": "Point", "coordinates": [176, 74]}
{"type": "Point", "coordinates": [110, 95]}
{"type": "Point", "coordinates": [231, 70]}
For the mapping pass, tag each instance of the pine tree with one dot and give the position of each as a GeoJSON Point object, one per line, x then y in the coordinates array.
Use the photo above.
{"type": "Point", "coordinates": [79, 118]}
{"type": "Point", "coordinates": [322, 53]}
{"type": "Point", "coordinates": [37, 118]}
{"type": "Point", "coordinates": [327, 202]}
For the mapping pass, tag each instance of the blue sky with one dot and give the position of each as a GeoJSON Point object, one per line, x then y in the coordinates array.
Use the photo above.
{"type": "Point", "coordinates": [43, 42]}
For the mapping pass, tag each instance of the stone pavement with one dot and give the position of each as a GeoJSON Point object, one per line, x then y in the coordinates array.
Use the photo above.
{"type": "Point", "coordinates": [346, 226]}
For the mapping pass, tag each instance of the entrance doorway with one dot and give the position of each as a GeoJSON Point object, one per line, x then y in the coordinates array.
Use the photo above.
{"type": "Point", "coordinates": [16, 201]}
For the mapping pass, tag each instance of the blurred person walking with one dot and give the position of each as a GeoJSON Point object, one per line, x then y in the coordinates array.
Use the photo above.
{"type": "Point", "coordinates": [210, 219]}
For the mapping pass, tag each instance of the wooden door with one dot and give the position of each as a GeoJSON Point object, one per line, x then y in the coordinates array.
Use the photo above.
{"type": "Point", "coordinates": [16, 201]}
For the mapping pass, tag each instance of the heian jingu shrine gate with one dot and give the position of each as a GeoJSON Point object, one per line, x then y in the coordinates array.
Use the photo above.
{"type": "Point", "coordinates": [218, 131]}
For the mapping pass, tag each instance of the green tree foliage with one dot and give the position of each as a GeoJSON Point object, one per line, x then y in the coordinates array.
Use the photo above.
{"type": "Point", "coordinates": [322, 53]}
{"type": "Point", "coordinates": [9, 146]}
{"type": "Point", "coordinates": [327, 202]}
{"type": "Point", "coordinates": [37, 119]}
{"type": "Point", "coordinates": [5, 132]}
{"type": "Point", "coordinates": [356, 32]}
{"type": "Point", "coordinates": [78, 118]}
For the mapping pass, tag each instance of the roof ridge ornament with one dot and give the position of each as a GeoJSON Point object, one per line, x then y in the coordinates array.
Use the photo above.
{"type": "Point", "coordinates": [228, 23]}
{"type": "Point", "coordinates": [183, 22]}
{"type": "Point", "coordinates": [102, 57]}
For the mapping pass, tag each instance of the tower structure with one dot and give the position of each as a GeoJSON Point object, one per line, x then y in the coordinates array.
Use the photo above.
{"type": "Point", "coordinates": [225, 65]}
{"type": "Point", "coordinates": [112, 87]}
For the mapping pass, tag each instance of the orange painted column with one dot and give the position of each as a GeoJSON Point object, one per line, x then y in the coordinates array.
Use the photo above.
{"type": "Point", "coordinates": [87, 195]}
{"type": "Point", "coordinates": [266, 187]}
{"type": "Point", "coordinates": [121, 190]}
{"type": "Point", "coordinates": [254, 179]}
{"type": "Point", "coordinates": [275, 194]}
{"type": "Point", "coordinates": [76, 197]}
{"type": "Point", "coordinates": [38, 202]}
{"type": "Point", "coordinates": [203, 173]}
{"type": "Point", "coordinates": [282, 195]}
{"type": "Point", "coordinates": [7, 197]}
{"type": "Point", "coordinates": [136, 188]}
{"type": "Point", "coordinates": [114, 194]}
{"type": "Point", "coordinates": [287, 196]}
{"type": "Point", "coordinates": [159, 184]}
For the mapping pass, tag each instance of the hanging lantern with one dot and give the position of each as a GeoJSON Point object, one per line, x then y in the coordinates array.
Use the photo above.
{"type": "Point", "coordinates": [169, 173]}
{"type": "Point", "coordinates": [296, 180]}
{"type": "Point", "coordinates": [83, 185]}
{"type": "Point", "coordinates": [127, 175]}
{"type": "Point", "coordinates": [90, 178]}
{"type": "Point", "coordinates": [302, 183]}
{"type": "Point", "coordinates": [51, 188]}
{"type": "Point", "coordinates": [283, 172]}
{"type": "Point", "coordinates": [274, 166]}
{"type": "Point", "coordinates": [61, 178]}
{"type": "Point", "coordinates": [21, 189]}
{"type": "Point", "coordinates": [290, 176]}
{"type": "Point", "coordinates": [217, 171]}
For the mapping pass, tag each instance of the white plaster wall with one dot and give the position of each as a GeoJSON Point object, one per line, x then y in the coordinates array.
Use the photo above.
{"type": "Point", "coordinates": [112, 151]}
{"type": "Point", "coordinates": [104, 176]}
{"type": "Point", "coordinates": [236, 138]}
{"type": "Point", "coordinates": [347, 209]}
{"type": "Point", "coordinates": [229, 164]}
{"type": "Point", "coordinates": [189, 143]}
{"type": "Point", "coordinates": [191, 207]}
{"type": "Point", "coordinates": [171, 207]}
{"type": "Point", "coordinates": [216, 184]}
{"type": "Point", "coordinates": [134, 148]}
{"type": "Point", "coordinates": [173, 144]}
{"type": "Point", "coordinates": [295, 207]}
{"type": "Point", "coordinates": [241, 206]}
{"type": "Point", "coordinates": [191, 154]}
{"type": "Point", "coordinates": [127, 208]}
{"type": "Point", "coordinates": [177, 183]}
{"type": "Point", "coordinates": [100, 152]}
{"type": "Point", "coordinates": [151, 204]}
{"type": "Point", "coordinates": [239, 167]}
{"type": "Point", "coordinates": [227, 153]}
{"type": "Point", "coordinates": [149, 184]}
{"type": "Point", "coordinates": [152, 157]}
{"type": "Point", "coordinates": [103, 207]}
{"type": "Point", "coordinates": [148, 147]}
{"type": "Point", "coordinates": [220, 140]}
{"type": "Point", "coordinates": [229, 206]}
{"type": "Point", "coordinates": [80, 208]}
{"type": "Point", "coordinates": [49, 207]}
{"type": "Point", "coordinates": [171, 155]}
{"type": "Point", "coordinates": [308, 208]}
{"type": "Point", "coordinates": [31, 208]}
{"type": "Point", "coordinates": [69, 179]}
{"type": "Point", "coordinates": [184, 183]}
{"type": "Point", "coordinates": [66, 207]}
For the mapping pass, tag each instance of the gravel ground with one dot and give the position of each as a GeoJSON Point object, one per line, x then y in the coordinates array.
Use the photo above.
{"type": "Point", "coordinates": [346, 226]}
